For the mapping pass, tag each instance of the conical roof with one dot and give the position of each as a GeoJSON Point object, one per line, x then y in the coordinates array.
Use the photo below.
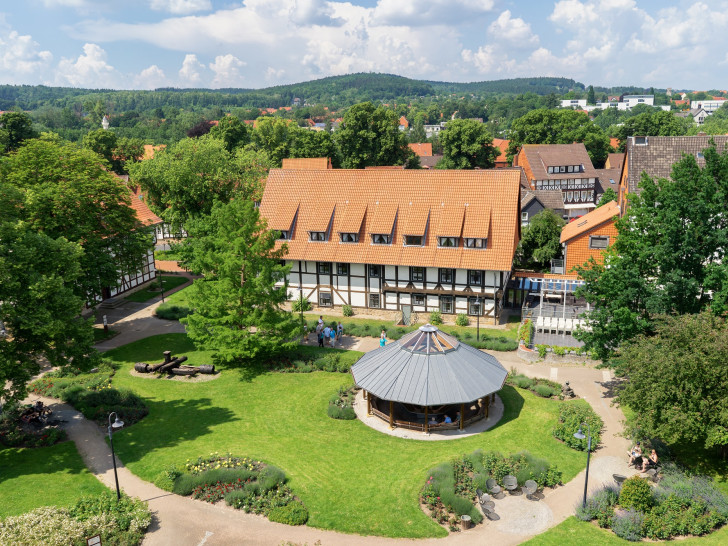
{"type": "Point", "coordinates": [428, 367]}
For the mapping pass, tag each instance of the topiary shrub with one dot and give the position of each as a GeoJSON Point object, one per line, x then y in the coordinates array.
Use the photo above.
{"type": "Point", "coordinates": [293, 513]}
{"type": "Point", "coordinates": [571, 415]}
{"type": "Point", "coordinates": [436, 317]}
{"type": "Point", "coordinates": [347, 311]}
{"type": "Point", "coordinates": [636, 493]}
{"type": "Point", "coordinates": [462, 319]}
{"type": "Point", "coordinates": [628, 525]}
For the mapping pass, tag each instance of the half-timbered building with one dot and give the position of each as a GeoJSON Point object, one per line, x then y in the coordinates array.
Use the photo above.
{"type": "Point", "coordinates": [397, 241]}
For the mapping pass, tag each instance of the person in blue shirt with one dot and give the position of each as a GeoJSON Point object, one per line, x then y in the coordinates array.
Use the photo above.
{"type": "Point", "coordinates": [447, 419]}
{"type": "Point", "coordinates": [383, 339]}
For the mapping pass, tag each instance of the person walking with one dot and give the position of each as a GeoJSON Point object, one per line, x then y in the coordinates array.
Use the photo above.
{"type": "Point", "coordinates": [320, 335]}
{"type": "Point", "coordinates": [327, 333]}
{"type": "Point", "coordinates": [333, 337]}
{"type": "Point", "coordinates": [339, 331]}
{"type": "Point", "coordinates": [383, 339]}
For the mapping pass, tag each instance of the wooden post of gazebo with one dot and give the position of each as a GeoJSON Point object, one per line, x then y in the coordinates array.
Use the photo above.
{"type": "Point", "coordinates": [462, 416]}
{"type": "Point", "coordinates": [427, 426]}
{"type": "Point", "coordinates": [391, 415]}
{"type": "Point", "coordinates": [486, 407]}
{"type": "Point", "coordinates": [369, 403]}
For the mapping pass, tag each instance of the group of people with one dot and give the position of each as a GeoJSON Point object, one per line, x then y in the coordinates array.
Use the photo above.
{"type": "Point", "coordinates": [328, 335]}
{"type": "Point", "coordinates": [35, 413]}
{"type": "Point", "coordinates": [637, 459]}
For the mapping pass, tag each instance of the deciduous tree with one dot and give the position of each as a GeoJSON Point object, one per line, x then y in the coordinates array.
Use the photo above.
{"type": "Point", "coordinates": [540, 241]}
{"type": "Point", "coordinates": [237, 303]}
{"type": "Point", "coordinates": [467, 144]}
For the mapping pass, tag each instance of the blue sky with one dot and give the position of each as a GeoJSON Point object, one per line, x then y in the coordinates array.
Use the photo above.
{"type": "Point", "coordinates": [143, 44]}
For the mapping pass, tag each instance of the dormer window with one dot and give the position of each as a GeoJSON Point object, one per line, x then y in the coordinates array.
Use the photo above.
{"type": "Point", "coordinates": [413, 240]}
{"type": "Point", "coordinates": [476, 243]}
{"type": "Point", "coordinates": [380, 239]}
{"type": "Point", "coordinates": [285, 235]}
{"type": "Point", "coordinates": [349, 237]}
{"type": "Point", "coordinates": [447, 242]}
{"type": "Point", "coordinates": [316, 235]}
{"type": "Point", "coordinates": [640, 141]}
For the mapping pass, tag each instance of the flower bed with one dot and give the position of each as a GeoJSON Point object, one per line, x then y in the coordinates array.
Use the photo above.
{"type": "Point", "coordinates": [123, 522]}
{"type": "Point", "coordinates": [15, 433]}
{"type": "Point", "coordinates": [680, 505]}
{"type": "Point", "coordinates": [91, 393]}
{"type": "Point", "coordinates": [450, 491]}
{"type": "Point", "coordinates": [245, 484]}
{"type": "Point", "coordinates": [341, 404]}
{"type": "Point", "coordinates": [541, 387]}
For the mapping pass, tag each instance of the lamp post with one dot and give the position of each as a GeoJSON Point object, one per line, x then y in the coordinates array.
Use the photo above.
{"type": "Point", "coordinates": [161, 287]}
{"type": "Point", "coordinates": [579, 435]}
{"type": "Point", "coordinates": [116, 424]}
{"type": "Point", "coordinates": [477, 336]}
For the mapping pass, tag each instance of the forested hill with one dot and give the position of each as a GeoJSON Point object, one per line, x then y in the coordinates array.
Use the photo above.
{"type": "Point", "coordinates": [334, 91]}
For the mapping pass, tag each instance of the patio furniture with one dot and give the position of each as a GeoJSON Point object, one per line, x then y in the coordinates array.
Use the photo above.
{"type": "Point", "coordinates": [510, 483]}
{"type": "Point", "coordinates": [490, 514]}
{"type": "Point", "coordinates": [493, 488]}
{"type": "Point", "coordinates": [484, 500]}
{"type": "Point", "coordinates": [529, 489]}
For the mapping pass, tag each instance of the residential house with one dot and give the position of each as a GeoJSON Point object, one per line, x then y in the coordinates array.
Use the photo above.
{"type": "Point", "coordinates": [614, 161]}
{"type": "Point", "coordinates": [589, 236]}
{"type": "Point", "coordinates": [709, 106]}
{"type": "Point", "coordinates": [565, 167]}
{"type": "Point", "coordinates": [697, 115]}
{"type": "Point", "coordinates": [403, 124]}
{"type": "Point", "coordinates": [608, 178]}
{"type": "Point", "coordinates": [397, 241]}
{"type": "Point", "coordinates": [656, 155]}
{"type": "Point", "coordinates": [534, 201]}
{"type": "Point", "coordinates": [307, 163]}
{"type": "Point", "coordinates": [502, 160]}
{"type": "Point", "coordinates": [421, 149]}
{"type": "Point", "coordinates": [431, 130]}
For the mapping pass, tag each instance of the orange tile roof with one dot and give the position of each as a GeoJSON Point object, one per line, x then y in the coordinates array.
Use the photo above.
{"type": "Point", "coordinates": [614, 142]}
{"type": "Point", "coordinates": [502, 145]}
{"type": "Point", "coordinates": [422, 149]}
{"type": "Point", "coordinates": [403, 121]}
{"type": "Point", "coordinates": [283, 216]}
{"type": "Point", "coordinates": [306, 163]}
{"type": "Point", "coordinates": [149, 150]}
{"type": "Point", "coordinates": [142, 211]}
{"type": "Point", "coordinates": [414, 217]}
{"type": "Point", "coordinates": [589, 221]}
{"type": "Point", "coordinates": [382, 199]}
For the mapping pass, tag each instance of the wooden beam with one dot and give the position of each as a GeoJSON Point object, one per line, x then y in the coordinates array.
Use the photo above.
{"type": "Point", "coordinates": [391, 415]}
{"type": "Point", "coordinates": [427, 425]}
{"type": "Point", "coordinates": [369, 405]}
{"type": "Point", "coordinates": [462, 416]}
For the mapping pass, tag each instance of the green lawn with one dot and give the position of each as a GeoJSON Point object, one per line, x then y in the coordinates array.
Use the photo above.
{"type": "Point", "coordinates": [352, 478]}
{"type": "Point", "coordinates": [169, 282]}
{"type": "Point", "coordinates": [100, 335]}
{"type": "Point", "coordinates": [577, 533]}
{"type": "Point", "coordinates": [171, 255]}
{"type": "Point", "coordinates": [43, 476]}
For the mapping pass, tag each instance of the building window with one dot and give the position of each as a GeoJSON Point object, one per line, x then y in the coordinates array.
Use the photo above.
{"type": "Point", "coordinates": [598, 242]}
{"type": "Point", "coordinates": [562, 169]}
{"type": "Point", "coordinates": [284, 235]}
{"type": "Point", "coordinates": [640, 141]}
{"type": "Point", "coordinates": [446, 304]}
{"type": "Point", "coordinates": [524, 217]}
{"type": "Point", "coordinates": [375, 271]}
{"type": "Point", "coordinates": [316, 235]}
{"type": "Point", "coordinates": [447, 275]}
{"type": "Point", "coordinates": [324, 268]}
{"type": "Point", "coordinates": [413, 240]}
{"type": "Point", "coordinates": [325, 299]}
{"type": "Point", "coordinates": [570, 169]}
{"type": "Point", "coordinates": [374, 301]}
{"type": "Point", "coordinates": [447, 242]}
{"type": "Point", "coordinates": [342, 269]}
{"type": "Point", "coordinates": [349, 237]}
{"type": "Point", "coordinates": [476, 243]}
{"type": "Point", "coordinates": [418, 299]}
{"type": "Point", "coordinates": [475, 306]}
{"type": "Point", "coordinates": [380, 239]}
{"type": "Point", "coordinates": [417, 274]}
{"type": "Point", "coordinates": [475, 278]}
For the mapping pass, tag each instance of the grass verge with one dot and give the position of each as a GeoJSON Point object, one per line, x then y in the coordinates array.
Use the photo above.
{"type": "Point", "coordinates": [169, 282]}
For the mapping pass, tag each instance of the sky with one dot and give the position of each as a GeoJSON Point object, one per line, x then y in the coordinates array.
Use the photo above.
{"type": "Point", "coordinates": [145, 44]}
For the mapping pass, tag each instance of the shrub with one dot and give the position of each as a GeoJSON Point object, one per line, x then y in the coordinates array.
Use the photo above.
{"type": "Point", "coordinates": [700, 488]}
{"type": "Point", "coordinates": [599, 506]}
{"type": "Point", "coordinates": [525, 331]}
{"type": "Point", "coordinates": [572, 414]}
{"type": "Point", "coordinates": [542, 350]}
{"type": "Point", "coordinates": [522, 382]}
{"type": "Point", "coordinates": [462, 319]}
{"type": "Point", "coordinates": [628, 525]}
{"type": "Point", "coordinates": [436, 317]}
{"type": "Point", "coordinates": [97, 405]}
{"type": "Point", "coordinates": [558, 350]}
{"type": "Point", "coordinates": [169, 311]}
{"type": "Point", "coordinates": [636, 493]}
{"type": "Point", "coordinates": [186, 483]}
{"type": "Point", "coordinates": [270, 478]}
{"type": "Point", "coordinates": [337, 412]}
{"type": "Point", "coordinates": [239, 497]}
{"type": "Point", "coordinates": [544, 391]}
{"type": "Point", "coordinates": [300, 305]}
{"type": "Point", "coordinates": [294, 513]}
{"type": "Point", "coordinates": [347, 311]}
{"type": "Point", "coordinates": [166, 478]}
{"type": "Point", "coordinates": [676, 516]}
{"type": "Point", "coordinates": [130, 516]}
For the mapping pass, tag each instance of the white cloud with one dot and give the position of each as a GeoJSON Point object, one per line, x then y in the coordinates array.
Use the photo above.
{"type": "Point", "coordinates": [513, 30]}
{"type": "Point", "coordinates": [431, 12]}
{"type": "Point", "coordinates": [21, 57]}
{"type": "Point", "coordinates": [150, 78]}
{"type": "Point", "coordinates": [227, 71]}
{"type": "Point", "coordinates": [180, 7]}
{"type": "Point", "coordinates": [190, 71]}
{"type": "Point", "coordinates": [90, 69]}
{"type": "Point", "coordinates": [573, 13]}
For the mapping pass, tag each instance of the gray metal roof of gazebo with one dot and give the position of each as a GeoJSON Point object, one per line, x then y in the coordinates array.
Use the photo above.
{"type": "Point", "coordinates": [428, 368]}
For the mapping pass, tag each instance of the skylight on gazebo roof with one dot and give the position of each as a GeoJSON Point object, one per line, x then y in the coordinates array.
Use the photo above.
{"type": "Point", "coordinates": [428, 340]}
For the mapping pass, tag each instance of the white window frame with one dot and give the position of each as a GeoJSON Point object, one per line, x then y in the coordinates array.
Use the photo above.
{"type": "Point", "coordinates": [455, 242]}
{"type": "Point", "coordinates": [447, 302]}
{"type": "Point", "coordinates": [598, 237]}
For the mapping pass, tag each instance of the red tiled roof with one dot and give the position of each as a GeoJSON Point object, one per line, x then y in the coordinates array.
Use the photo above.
{"type": "Point", "coordinates": [422, 149]}
{"type": "Point", "coordinates": [403, 121]}
{"type": "Point", "coordinates": [502, 145]}
{"type": "Point", "coordinates": [479, 203]}
{"type": "Point", "coordinates": [589, 221]}
{"type": "Point", "coordinates": [308, 163]}
{"type": "Point", "coordinates": [142, 211]}
{"type": "Point", "coordinates": [149, 150]}
{"type": "Point", "coordinates": [614, 142]}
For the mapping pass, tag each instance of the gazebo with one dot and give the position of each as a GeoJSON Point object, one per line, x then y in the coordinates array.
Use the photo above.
{"type": "Point", "coordinates": [426, 376]}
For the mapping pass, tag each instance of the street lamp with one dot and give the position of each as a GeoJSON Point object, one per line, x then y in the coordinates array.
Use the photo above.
{"type": "Point", "coordinates": [116, 424]}
{"type": "Point", "coordinates": [579, 435]}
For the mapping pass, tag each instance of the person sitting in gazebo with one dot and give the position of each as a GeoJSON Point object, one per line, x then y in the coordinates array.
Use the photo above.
{"type": "Point", "coordinates": [447, 419]}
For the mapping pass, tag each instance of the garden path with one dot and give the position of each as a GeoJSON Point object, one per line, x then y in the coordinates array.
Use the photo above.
{"type": "Point", "coordinates": [184, 521]}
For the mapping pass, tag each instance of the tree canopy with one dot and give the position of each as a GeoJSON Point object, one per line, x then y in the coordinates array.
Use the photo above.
{"type": "Point", "coordinates": [678, 379]}
{"type": "Point", "coordinates": [467, 144]}
{"type": "Point", "coordinates": [15, 127]}
{"type": "Point", "coordinates": [237, 303]}
{"type": "Point", "coordinates": [540, 241]}
{"type": "Point", "coordinates": [559, 126]}
{"type": "Point", "coordinates": [654, 123]}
